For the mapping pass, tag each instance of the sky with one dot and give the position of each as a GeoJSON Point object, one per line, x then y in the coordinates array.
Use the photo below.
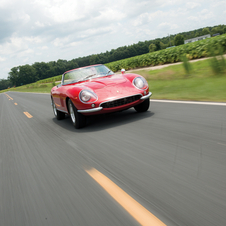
{"type": "Point", "coordinates": [47, 30]}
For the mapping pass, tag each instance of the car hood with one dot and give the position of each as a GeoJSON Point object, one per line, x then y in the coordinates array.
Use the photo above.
{"type": "Point", "coordinates": [99, 83]}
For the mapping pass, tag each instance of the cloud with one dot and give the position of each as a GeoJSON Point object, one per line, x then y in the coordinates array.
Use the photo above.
{"type": "Point", "coordinates": [192, 5]}
{"type": "Point", "coordinates": [2, 59]}
{"type": "Point", "coordinates": [168, 25]}
{"type": "Point", "coordinates": [164, 3]}
{"type": "Point", "coordinates": [148, 17]}
{"type": "Point", "coordinates": [219, 3]}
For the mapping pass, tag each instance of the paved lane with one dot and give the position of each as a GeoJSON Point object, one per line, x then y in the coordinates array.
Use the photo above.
{"type": "Point", "coordinates": [171, 160]}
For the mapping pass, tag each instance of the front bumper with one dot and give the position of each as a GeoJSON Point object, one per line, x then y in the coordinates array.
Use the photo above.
{"type": "Point", "coordinates": [92, 110]}
{"type": "Point", "coordinates": [146, 96]}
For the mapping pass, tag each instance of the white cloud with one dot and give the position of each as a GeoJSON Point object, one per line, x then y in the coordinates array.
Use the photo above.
{"type": "Point", "coordinates": [5, 3]}
{"type": "Point", "coordinates": [58, 42]}
{"type": "Point", "coordinates": [73, 44]}
{"type": "Point", "coordinates": [170, 2]}
{"type": "Point", "coordinates": [219, 3]}
{"type": "Point", "coordinates": [39, 24]}
{"type": "Point", "coordinates": [204, 11]}
{"type": "Point", "coordinates": [44, 47]}
{"type": "Point", "coordinates": [193, 18]}
{"type": "Point", "coordinates": [2, 59]}
{"type": "Point", "coordinates": [165, 25]}
{"type": "Point", "coordinates": [148, 17]}
{"type": "Point", "coordinates": [192, 5]}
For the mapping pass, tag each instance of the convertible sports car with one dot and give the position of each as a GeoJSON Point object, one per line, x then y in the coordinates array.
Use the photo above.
{"type": "Point", "coordinates": [97, 90]}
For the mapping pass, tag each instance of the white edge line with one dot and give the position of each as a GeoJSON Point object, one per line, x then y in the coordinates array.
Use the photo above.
{"type": "Point", "coordinates": [189, 102]}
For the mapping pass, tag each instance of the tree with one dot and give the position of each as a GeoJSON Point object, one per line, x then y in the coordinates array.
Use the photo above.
{"type": "Point", "coordinates": [157, 44]}
{"type": "Point", "coordinates": [224, 30]}
{"type": "Point", "coordinates": [132, 51]}
{"type": "Point", "coordinates": [14, 76]}
{"type": "Point", "coordinates": [215, 30]}
{"type": "Point", "coordinates": [163, 46]}
{"type": "Point", "coordinates": [4, 84]}
{"type": "Point", "coordinates": [41, 70]}
{"type": "Point", "coordinates": [179, 40]}
{"type": "Point", "coordinates": [27, 74]}
{"type": "Point", "coordinates": [94, 59]}
{"type": "Point", "coordinates": [205, 31]}
{"type": "Point", "coordinates": [152, 47]}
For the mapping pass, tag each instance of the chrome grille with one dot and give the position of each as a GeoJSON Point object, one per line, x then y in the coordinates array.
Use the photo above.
{"type": "Point", "coordinates": [120, 102]}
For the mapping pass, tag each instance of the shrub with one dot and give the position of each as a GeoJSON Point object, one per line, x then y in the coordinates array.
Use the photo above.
{"type": "Point", "coordinates": [186, 65]}
{"type": "Point", "coordinates": [192, 50]}
{"type": "Point", "coordinates": [217, 63]}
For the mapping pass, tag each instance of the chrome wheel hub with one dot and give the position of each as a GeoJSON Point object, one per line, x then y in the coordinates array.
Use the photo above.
{"type": "Point", "coordinates": [72, 113]}
{"type": "Point", "coordinates": [54, 108]}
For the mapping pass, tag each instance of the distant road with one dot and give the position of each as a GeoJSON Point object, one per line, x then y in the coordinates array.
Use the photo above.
{"type": "Point", "coordinates": [170, 161]}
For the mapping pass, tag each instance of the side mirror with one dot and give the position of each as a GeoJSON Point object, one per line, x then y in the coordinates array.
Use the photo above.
{"type": "Point", "coordinates": [123, 71]}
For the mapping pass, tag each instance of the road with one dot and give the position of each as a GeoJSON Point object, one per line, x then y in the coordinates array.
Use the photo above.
{"type": "Point", "coordinates": [170, 160]}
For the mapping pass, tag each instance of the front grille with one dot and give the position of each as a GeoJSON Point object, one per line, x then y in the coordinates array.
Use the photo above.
{"type": "Point", "coordinates": [120, 102]}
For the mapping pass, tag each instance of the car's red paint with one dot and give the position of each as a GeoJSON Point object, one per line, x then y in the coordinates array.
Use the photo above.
{"type": "Point", "coordinates": [107, 88]}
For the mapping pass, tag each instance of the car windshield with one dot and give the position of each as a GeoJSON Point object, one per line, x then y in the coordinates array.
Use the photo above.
{"type": "Point", "coordinates": [82, 74]}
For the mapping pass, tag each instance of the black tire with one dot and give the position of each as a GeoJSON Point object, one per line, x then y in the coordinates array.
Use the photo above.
{"type": "Point", "coordinates": [58, 114]}
{"type": "Point", "coordinates": [78, 120]}
{"type": "Point", "coordinates": [144, 106]}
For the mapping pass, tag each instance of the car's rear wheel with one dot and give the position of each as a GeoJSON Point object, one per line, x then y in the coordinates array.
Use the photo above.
{"type": "Point", "coordinates": [77, 118]}
{"type": "Point", "coordinates": [142, 107]}
{"type": "Point", "coordinates": [58, 114]}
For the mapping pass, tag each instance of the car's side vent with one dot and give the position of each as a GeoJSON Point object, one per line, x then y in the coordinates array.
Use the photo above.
{"type": "Point", "coordinates": [120, 102]}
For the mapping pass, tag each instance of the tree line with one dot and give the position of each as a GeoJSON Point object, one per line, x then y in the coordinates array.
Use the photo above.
{"type": "Point", "coordinates": [26, 74]}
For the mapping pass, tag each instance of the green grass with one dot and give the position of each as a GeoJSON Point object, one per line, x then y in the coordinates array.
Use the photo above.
{"type": "Point", "coordinates": [199, 89]}
{"type": "Point", "coordinates": [169, 83]}
{"type": "Point", "coordinates": [174, 84]}
{"type": "Point", "coordinates": [33, 88]}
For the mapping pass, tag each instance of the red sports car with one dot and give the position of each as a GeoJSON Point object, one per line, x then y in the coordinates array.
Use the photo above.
{"type": "Point", "coordinates": [97, 90]}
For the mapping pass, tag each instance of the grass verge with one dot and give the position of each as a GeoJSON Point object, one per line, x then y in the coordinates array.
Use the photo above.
{"type": "Point", "coordinates": [33, 88]}
{"type": "Point", "coordinates": [173, 83]}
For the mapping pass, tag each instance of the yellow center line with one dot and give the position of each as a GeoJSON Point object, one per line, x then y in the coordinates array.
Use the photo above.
{"type": "Point", "coordinates": [8, 96]}
{"type": "Point", "coordinates": [28, 115]}
{"type": "Point", "coordinates": [135, 209]}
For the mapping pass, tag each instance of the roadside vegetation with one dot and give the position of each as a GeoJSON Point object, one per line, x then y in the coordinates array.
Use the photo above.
{"type": "Point", "coordinates": [197, 81]}
{"type": "Point", "coordinates": [175, 83]}
{"type": "Point", "coordinates": [195, 50]}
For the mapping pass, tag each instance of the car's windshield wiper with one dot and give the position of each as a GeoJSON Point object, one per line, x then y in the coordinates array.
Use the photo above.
{"type": "Point", "coordinates": [85, 78]}
{"type": "Point", "coordinates": [108, 73]}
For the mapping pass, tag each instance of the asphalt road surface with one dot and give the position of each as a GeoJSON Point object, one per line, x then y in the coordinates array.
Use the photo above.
{"type": "Point", "coordinates": [170, 160]}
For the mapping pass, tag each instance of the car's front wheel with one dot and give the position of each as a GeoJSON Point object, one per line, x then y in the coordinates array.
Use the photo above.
{"type": "Point", "coordinates": [142, 107]}
{"type": "Point", "coordinates": [58, 114]}
{"type": "Point", "coordinates": [77, 118]}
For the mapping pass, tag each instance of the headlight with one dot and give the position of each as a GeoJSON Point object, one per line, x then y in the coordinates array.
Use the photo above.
{"type": "Point", "coordinates": [140, 83]}
{"type": "Point", "coordinates": [87, 96]}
